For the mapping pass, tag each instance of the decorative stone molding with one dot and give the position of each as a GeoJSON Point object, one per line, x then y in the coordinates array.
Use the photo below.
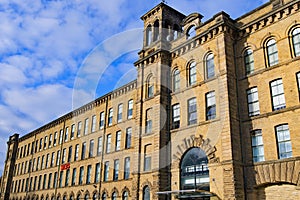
{"type": "Point", "coordinates": [199, 142]}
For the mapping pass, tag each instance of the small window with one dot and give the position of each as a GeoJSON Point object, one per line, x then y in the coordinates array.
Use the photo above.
{"type": "Point", "coordinates": [116, 170]}
{"type": "Point", "coordinates": [72, 132]}
{"type": "Point", "coordinates": [104, 196]}
{"type": "Point", "coordinates": [210, 66]}
{"type": "Point", "coordinates": [253, 103]}
{"type": "Point", "coordinates": [192, 72]}
{"type": "Point", "coordinates": [130, 109]}
{"type": "Point", "coordinates": [146, 193]}
{"type": "Point", "coordinates": [249, 61]}
{"type": "Point", "coordinates": [125, 195]}
{"type": "Point", "coordinates": [67, 134]}
{"type": "Point", "coordinates": [99, 148]}
{"type": "Point", "coordinates": [81, 174]}
{"type": "Point", "coordinates": [83, 150]}
{"type": "Point", "coordinates": [63, 156]}
{"type": "Point", "coordinates": [67, 177]}
{"type": "Point", "coordinates": [192, 111]}
{"type": "Point", "coordinates": [296, 41]}
{"type": "Point", "coordinates": [101, 123]}
{"type": "Point", "coordinates": [120, 113]}
{"type": "Point", "coordinates": [74, 176]}
{"type": "Point", "coordinates": [210, 105]}
{"type": "Point", "coordinates": [110, 116]}
{"type": "Point", "coordinates": [176, 116]}
{"type": "Point", "coordinates": [150, 87]}
{"type": "Point", "coordinates": [79, 126]}
{"type": "Point", "coordinates": [76, 152]}
{"type": "Point", "coordinates": [88, 174]}
{"type": "Point", "coordinates": [176, 80]}
{"type": "Point", "coordinates": [284, 144]}
{"type": "Point", "coordinates": [272, 53]}
{"type": "Point", "coordinates": [97, 173]}
{"type": "Point", "coordinates": [277, 92]}
{"type": "Point", "coordinates": [257, 146]}
{"type": "Point", "coordinates": [147, 158]}
{"type": "Point", "coordinates": [70, 154]}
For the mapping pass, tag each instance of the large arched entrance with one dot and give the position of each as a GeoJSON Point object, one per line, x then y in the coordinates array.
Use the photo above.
{"type": "Point", "coordinates": [194, 175]}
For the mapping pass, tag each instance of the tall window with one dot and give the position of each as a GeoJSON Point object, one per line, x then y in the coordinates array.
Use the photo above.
{"type": "Point", "coordinates": [191, 32]}
{"type": "Point", "coordinates": [97, 173]}
{"type": "Point", "coordinates": [61, 135]}
{"type": "Point", "coordinates": [120, 112]}
{"type": "Point", "coordinates": [67, 177]}
{"type": "Point", "coordinates": [156, 31]}
{"type": "Point", "coordinates": [67, 134]}
{"type": "Point", "coordinates": [146, 193]}
{"type": "Point", "coordinates": [108, 143]}
{"type": "Point", "coordinates": [296, 41]}
{"type": "Point", "coordinates": [176, 116]}
{"type": "Point", "coordinates": [91, 149]}
{"type": "Point", "coordinates": [253, 103]}
{"type": "Point", "coordinates": [81, 174]}
{"type": "Point", "coordinates": [110, 116]}
{"type": "Point", "coordinates": [249, 61]}
{"type": "Point", "coordinates": [257, 146]}
{"type": "Point", "coordinates": [70, 154]}
{"type": "Point", "coordinates": [79, 129]}
{"type": "Point", "coordinates": [106, 171]}
{"type": "Point", "coordinates": [116, 170]}
{"type": "Point", "coordinates": [210, 66]}
{"type": "Point", "coordinates": [99, 148]}
{"type": "Point", "coordinates": [50, 143]}
{"type": "Point", "coordinates": [74, 177]}
{"type": "Point", "coordinates": [104, 196]}
{"type": "Point", "coordinates": [147, 158]}
{"type": "Point", "coordinates": [148, 121]}
{"type": "Point", "coordinates": [176, 80]}
{"type": "Point", "coordinates": [150, 87]}
{"type": "Point", "coordinates": [58, 157]}
{"type": "Point", "coordinates": [284, 144]}
{"type": "Point", "coordinates": [148, 35]}
{"type": "Point", "coordinates": [125, 195]}
{"type": "Point", "coordinates": [114, 196]}
{"type": "Point", "coordinates": [54, 180]}
{"type": "Point", "coordinates": [130, 109]}
{"type": "Point", "coordinates": [272, 53]}
{"type": "Point", "coordinates": [61, 179]}
{"type": "Point", "coordinates": [45, 144]}
{"type": "Point", "coordinates": [83, 150]}
{"type": "Point", "coordinates": [278, 100]}
{"type": "Point", "coordinates": [46, 165]}
{"type": "Point", "coordinates": [49, 181]}
{"type": "Point", "coordinates": [128, 138]}
{"type": "Point", "coordinates": [127, 168]}
{"type": "Point", "coordinates": [118, 141]}
{"type": "Point", "coordinates": [64, 156]}
{"type": "Point", "coordinates": [194, 170]}
{"type": "Point", "coordinates": [94, 119]}
{"type": "Point", "coordinates": [192, 111]}
{"type": "Point", "coordinates": [192, 72]}
{"type": "Point", "coordinates": [210, 105]}
{"type": "Point", "coordinates": [52, 159]}
{"type": "Point", "coordinates": [54, 141]}
{"type": "Point", "coordinates": [86, 126]}
{"type": "Point", "coordinates": [72, 131]}
{"type": "Point", "coordinates": [76, 152]}
{"type": "Point", "coordinates": [101, 123]}
{"type": "Point", "coordinates": [88, 174]}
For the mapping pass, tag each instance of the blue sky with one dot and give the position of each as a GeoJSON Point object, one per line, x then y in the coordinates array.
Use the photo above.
{"type": "Point", "coordinates": [58, 54]}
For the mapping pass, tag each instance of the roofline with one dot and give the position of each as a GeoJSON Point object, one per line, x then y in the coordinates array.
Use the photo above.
{"type": "Point", "coordinates": [72, 113]}
{"type": "Point", "coordinates": [160, 5]}
{"type": "Point", "coordinates": [253, 11]}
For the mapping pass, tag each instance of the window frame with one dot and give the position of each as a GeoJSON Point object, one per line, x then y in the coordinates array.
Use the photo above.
{"type": "Point", "coordinates": [176, 116]}
{"type": "Point", "coordinates": [271, 52]}
{"type": "Point", "coordinates": [288, 154]}
{"type": "Point", "coordinates": [192, 111]}
{"type": "Point", "coordinates": [257, 146]}
{"type": "Point", "coordinates": [211, 109]}
{"type": "Point", "coordinates": [176, 80]}
{"type": "Point", "coordinates": [192, 73]}
{"type": "Point", "coordinates": [296, 44]}
{"type": "Point", "coordinates": [210, 65]}
{"type": "Point", "coordinates": [254, 103]}
{"type": "Point", "coordinates": [277, 96]}
{"type": "Point", "coordinates": [249, 61]}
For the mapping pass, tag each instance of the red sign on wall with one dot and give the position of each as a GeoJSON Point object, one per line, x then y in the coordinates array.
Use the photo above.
{"type": "Point", "coordinates": [65, 166]}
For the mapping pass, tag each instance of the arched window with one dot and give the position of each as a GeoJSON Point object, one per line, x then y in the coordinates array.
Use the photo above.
{"type": "Point", "coordinates": [156, 31]}
{"type": "Point", "coordinates": [71, 197]}
{"type": "Point", "coordinates": [150, 86]}
{"type": "Point", "coordinates": [95, 196]}
{"type": "Point", "coordinates": [191, 32]}
{"type": "Point", "coordinates": [125, 195]}
{"type": "Point", "coordinates": [249, 61]}
{"type": "Point", "coordinates": [296, 41]}
{"type": "Point", "coordinates": [210, 66]}
{"type": "Point", "coordinates": [194, 170]}
{"type": "Point", "coordinates": [86, 197]}
{"type": "Point", "coordinates": [192, 72]}
{"type": "Point", "coordinates": [146, 193]}
{"type": "Point", "coordinates": [114, 196]}
{"type": "Point", "coordinates": [104, 196]}
{"type": "Point", "coordinates": [65, 197]}
{"type": "Point", "coordinates": [176, 80]}
{"type": "Point", "coordinates": [148, 35]}
{"type": "Point", "coordinates": [272, 53]}
{"type": "Point", "coordinates": [78, 197]}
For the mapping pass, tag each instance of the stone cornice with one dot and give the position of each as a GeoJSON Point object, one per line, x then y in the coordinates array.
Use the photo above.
{"type": "Point", "coordinates": [270, 18]}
